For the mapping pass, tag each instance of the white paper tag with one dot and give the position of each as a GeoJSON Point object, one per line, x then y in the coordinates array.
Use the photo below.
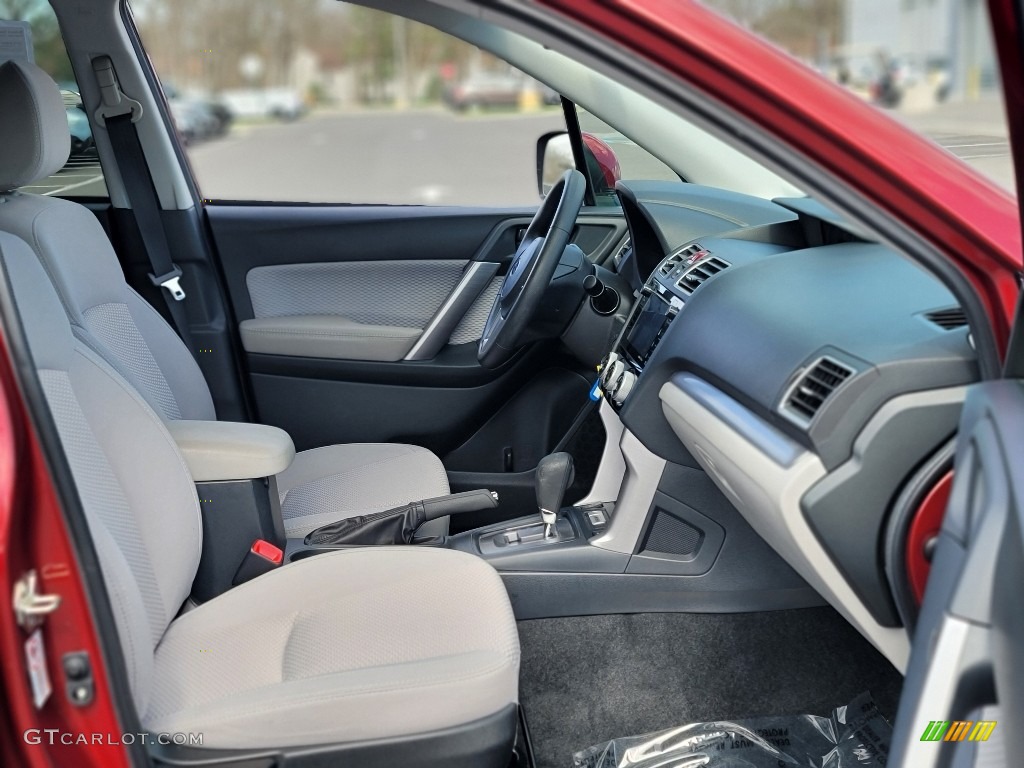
{"type": "Point", "coordinates": [35, 657]}
{"type": "Point", "coordinates": [16, 42]}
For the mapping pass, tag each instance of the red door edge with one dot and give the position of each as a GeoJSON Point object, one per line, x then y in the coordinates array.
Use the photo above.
{"type": "Point", "coordinates": [1007, 16]}
{"type": "Point", "coordinates": [33, 535]}
{"type": "Point", "coordinates": [963, 215]}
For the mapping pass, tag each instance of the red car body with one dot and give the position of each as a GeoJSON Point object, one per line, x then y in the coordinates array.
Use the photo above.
{"type": "Point", "coordinates": [974, 224]}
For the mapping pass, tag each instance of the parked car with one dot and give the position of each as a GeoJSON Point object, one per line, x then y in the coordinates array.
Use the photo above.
{"type": "Point", "coordinates": [486, 90]}
{"type": "Point", "coordinates": [197, 115]}
{"type": "Point", "coordinates": [277, 103]}
{"type": "Point", "coordinates": [199, 120]}
{"type": "Point", "coordinates": [82, 144]}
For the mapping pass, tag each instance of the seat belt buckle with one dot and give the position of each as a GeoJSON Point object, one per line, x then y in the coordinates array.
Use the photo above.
{"type": "Point", "coordinates": [262, 557]}
{"type": "Point", "coordinates": [171, 281]}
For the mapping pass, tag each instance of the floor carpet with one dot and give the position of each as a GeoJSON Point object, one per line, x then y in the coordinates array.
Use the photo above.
{"type": "Point", "coordinates": [588, 679]}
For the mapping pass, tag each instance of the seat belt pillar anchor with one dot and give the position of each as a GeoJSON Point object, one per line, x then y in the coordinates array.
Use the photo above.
{"type": "Point", "coordinates": [113, 102]}
{"type": "Point", "coordinates": [171, 281]}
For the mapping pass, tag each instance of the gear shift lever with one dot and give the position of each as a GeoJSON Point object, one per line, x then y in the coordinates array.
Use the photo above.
{"type": "Point", "coordinates": [554, 475]}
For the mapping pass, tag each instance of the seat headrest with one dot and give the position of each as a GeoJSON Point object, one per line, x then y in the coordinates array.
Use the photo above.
{"type": "Point", "coordinates": [34, 137]}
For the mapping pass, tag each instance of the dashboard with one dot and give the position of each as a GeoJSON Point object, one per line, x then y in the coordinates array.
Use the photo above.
{"type": "Point", "coordinates": [806, 369]}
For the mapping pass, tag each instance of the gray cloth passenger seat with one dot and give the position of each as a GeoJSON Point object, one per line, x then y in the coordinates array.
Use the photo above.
{"type": "Point", "coordinates": [375, 647]}
{"type": "Point", "coordinates": [323, 484]}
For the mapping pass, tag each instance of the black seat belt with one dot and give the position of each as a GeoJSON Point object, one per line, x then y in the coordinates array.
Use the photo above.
{"type": "Point", "coordinates": [141, 193]}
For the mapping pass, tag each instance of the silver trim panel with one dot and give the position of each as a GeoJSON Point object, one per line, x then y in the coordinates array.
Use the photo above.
{"type": "Point", "coordinates": [768, 495]}
{"type": "Point", "coordinates": [777, 446]}
{"type": "Point", "coordinates": [612, 469]}
{"type": "Point", "coordinates": [474, 280]}
{"type": "Point", "coordinates": [640, 483]}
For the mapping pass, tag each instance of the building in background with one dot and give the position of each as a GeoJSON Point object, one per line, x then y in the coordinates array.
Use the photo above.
{"type": "Point", "coordinates": [944, 43]}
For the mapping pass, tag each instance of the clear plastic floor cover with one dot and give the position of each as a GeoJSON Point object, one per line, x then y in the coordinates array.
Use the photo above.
{"type": "Point", "coordinates": [855, 736]}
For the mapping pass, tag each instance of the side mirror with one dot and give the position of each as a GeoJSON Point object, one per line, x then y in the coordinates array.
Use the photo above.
{"type": "Point", "coordinates": [555, 157]}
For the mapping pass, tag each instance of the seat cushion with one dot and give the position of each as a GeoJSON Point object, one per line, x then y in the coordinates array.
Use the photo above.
{"type": "Point", "coordinates": [337, 481]}
{"type": "Point", "coordinates": [347, 646]}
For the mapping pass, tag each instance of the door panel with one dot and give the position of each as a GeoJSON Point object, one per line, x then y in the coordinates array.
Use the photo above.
{"type": "Point", "coordinates": [349, 295]}
{"type": "Point", "coordinates": [360, 310]}
{"type": "Point", "coordinates": [967, 660]}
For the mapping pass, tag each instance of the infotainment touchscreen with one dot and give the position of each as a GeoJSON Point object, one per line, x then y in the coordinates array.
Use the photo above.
{"type": "Point", "coordinates": [644, 333]}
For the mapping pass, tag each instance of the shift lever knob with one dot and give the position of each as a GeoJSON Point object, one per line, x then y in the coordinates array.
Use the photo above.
{"type": "Point", "coordinates": [554, 475]}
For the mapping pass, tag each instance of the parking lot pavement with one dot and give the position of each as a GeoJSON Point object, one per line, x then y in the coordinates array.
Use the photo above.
{"type": "Point", "coordinates": [989, 154]}
{"type": "Point", "coordinates": [974, 131]}
{"type": "Point", "coordinates": [430, 157]}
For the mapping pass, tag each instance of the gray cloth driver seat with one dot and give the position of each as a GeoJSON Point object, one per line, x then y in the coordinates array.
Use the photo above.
{"type": "Point", "coordinates": [377, 656]}
{"type": "Point", "coordinates": [322, 484]}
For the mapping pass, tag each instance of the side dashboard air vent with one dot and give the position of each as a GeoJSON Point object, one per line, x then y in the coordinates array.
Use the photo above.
{"type": "Point", "coordinates": [949, 319]}
{"type": "Point", "coordinates": [814, 387]}
{"type": "Point", "coordinates": [703, 270]}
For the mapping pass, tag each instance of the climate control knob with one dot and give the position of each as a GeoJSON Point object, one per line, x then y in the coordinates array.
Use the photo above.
{"type": "Point", "coordinates": [604, 366]}
{"type": "Point", "coordinates": [611, 373]}
{"type": "Point", "coordinates": [625, 386]}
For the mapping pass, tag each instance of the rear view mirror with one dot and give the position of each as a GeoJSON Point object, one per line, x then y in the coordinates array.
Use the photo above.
{"type": "Point", "coordinates": [555, 157]}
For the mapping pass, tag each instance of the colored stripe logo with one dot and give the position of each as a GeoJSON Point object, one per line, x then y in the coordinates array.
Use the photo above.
{"type": "Point", "coordinates": [958, 730]}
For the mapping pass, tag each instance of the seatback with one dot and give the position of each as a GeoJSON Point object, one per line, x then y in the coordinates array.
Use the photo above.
{"type": "Point", "coordinates": [106, 314]}
{"type": "Point", "coordinates": [139, 499]}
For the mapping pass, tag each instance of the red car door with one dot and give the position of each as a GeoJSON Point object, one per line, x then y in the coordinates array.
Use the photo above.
{"type": "Point", "coordinates": [967, 662]}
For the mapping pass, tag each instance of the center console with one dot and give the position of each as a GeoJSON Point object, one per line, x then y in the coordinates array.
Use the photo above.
{"type": "Point", "coordinates": [660, 300]}
{"type": "Point", "coordinates": [233, 465]}
{"type": "Point", "coordinates": [646, 325]}
{"type": "Point", "coordinates": [605, 536]}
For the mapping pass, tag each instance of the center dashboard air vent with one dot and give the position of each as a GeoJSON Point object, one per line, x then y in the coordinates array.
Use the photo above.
{"type": "Point", "coordinates": [670, 263]}
{"type": "Point", "coordinates": [813, 388]}
{"type": "Point", "coordinates": [700, 272]}
{"type": "Point", "coordinates": [690, 254]}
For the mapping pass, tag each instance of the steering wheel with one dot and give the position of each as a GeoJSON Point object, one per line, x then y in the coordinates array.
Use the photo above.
{"type": "Point", "coordinates": [532, 268]}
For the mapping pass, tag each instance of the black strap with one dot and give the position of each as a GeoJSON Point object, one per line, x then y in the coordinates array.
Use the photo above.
{"type": "Point", "coordinates": [138, 185]}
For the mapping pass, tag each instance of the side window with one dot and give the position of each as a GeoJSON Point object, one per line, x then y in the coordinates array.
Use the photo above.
{"type": "Point", "coordinates": [335, 103]}
{"type": "Point", "coordinates": [28, 30]}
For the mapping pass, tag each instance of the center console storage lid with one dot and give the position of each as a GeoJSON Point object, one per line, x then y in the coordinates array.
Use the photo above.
{"type": "Point", "coordinates": [231, 450]}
